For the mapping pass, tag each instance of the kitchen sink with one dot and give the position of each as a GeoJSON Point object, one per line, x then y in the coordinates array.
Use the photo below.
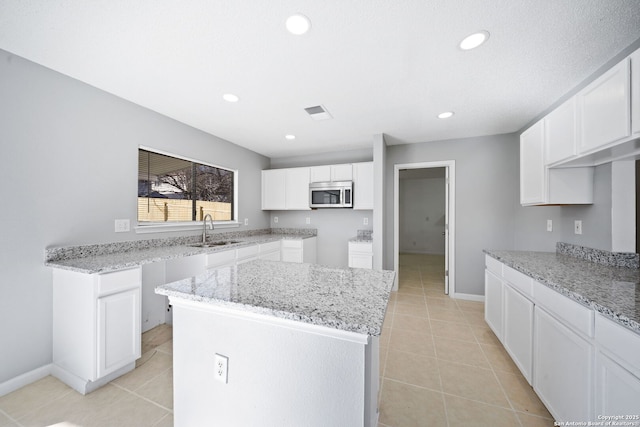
{"type": "Point", "coordinates": [214, 244]}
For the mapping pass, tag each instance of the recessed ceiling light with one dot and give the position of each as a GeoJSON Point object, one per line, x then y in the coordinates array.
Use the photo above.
{"type": "Point", "coordinates": [290, 137]}
{"type": "Point", "coordinates": [298, 24]}
{"type": "Point", "coordinates": [445, 115]}
{"type": "Point", "coordinates": [474, 40]}
{"type": "Point", "coordinates": [229, 97]}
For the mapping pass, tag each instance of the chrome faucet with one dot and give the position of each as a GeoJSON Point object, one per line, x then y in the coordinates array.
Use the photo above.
{"type": "Point", "coordinates": [204, 227]}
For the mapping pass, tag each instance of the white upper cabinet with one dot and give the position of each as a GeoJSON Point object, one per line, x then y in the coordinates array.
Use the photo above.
{"type": "Point", "coordinates": [285, 189]}
{"type": "Point", "coordinates": [329, 173]}
{"type": "Point", "coordinates": [297, 189]}
{"type": "Point", "coordinates": [532, 165]}
{"type": "Point", "coordinates": [605, 115]}
{"type": "Point", "coordinates": [273, 193]}
{"type": "Point", "coordinates": [363, 186]}
{"type": "Point", "coordinates": [561, 133]}
{"type": "Point", "coordinates": [635, 92]}
{"type": "Point", "coordinates": [540, 185]}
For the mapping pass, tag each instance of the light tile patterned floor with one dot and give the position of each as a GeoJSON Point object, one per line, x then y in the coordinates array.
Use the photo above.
{"type": "Point", "coordinates": [143, 397]}
{"type": "Point", "coordinates": [440, 366]}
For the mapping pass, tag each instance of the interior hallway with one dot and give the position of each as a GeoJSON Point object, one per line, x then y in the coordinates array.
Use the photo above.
{"type": "Point", "coordinates": [440, 365]}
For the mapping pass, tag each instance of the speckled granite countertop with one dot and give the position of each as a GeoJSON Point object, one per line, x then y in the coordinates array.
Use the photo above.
{"type": "Point", "coordinates": [118, 256]}
{"type": "Point", "coordinates": [363, 236]}
{"type": "Point", "coordinates": [612, 291]}
{"type": "Point", "coordinates": [347, 299]}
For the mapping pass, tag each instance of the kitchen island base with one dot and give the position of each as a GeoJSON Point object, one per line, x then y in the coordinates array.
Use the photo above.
{"type": "Point", "coordinates": [281, 372]}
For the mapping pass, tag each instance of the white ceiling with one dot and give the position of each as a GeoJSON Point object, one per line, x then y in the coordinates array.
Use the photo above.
{"type": "Point", "coordinates": [378, 66]}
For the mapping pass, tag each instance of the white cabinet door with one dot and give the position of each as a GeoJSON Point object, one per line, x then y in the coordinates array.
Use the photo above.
{"type": "Point", "coordinates": [563, 369]}
{"type": "Point", "coordinates": [297, 189]}
{"type": "Point", "coordinates": [327, 173]}
{"type": "Point", "coordinates": [363, 186]}
{"type": "Point", "coordinates": [360, 255]}
{"type": "Point", "coordinates": [493, 302]}
{"type": "Point", "coordinates": [272, 256]}
{"type": "Point", "coordinates": [605, 109]}
{"type": "Point", "coordinates": [518, 329]}
{"type": "Point", "coordinates": [635, 92]}
{"type": "Point", "coordinates": [273, 189]}
{"type": "Point", "coordinates": [118, 337]}
{"type": "Point", "coordinates": [617, 390]}
{"type": "Point", "coordinates": [342, 172]}
{"type": "Point", "coordinates": [560, 132]}
{"type": "Point", "coordinates": [532, 166]}
{"type": "Point", "coordinates": [320, 173]}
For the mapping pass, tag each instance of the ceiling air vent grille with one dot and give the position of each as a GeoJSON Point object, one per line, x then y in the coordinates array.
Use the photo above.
{"type": "Point", "coordinates": [318, 112]}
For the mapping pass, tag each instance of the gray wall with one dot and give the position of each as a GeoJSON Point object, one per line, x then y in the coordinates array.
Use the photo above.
{"type": "Point", "coordinates": [422, 214]}
{"type": "Point", "coordinates": [531, 221]}
{"type": "Point", "coordinates": [486, 190]}
{"type": "Point", "coordinates": [335, 228]}
{"type": "Point", "coordinates": [69, 168]}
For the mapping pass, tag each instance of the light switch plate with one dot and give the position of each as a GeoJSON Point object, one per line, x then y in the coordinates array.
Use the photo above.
{"type": "Point", "coordinates": [549, 225]}
{"type": "Point", "coordinates": [577, 226]}
{"type": "Point", "coordinates": [122, 225]}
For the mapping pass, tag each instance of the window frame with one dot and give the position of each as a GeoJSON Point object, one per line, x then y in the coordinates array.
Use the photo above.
{"type": "Point", "coordinates": [161, 226]}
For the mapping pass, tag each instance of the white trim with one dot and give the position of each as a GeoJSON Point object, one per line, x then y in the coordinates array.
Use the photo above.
{"type": "Point", "coordinates": [451, 166]}
{"type": "Point", "coordinates": [180, 226]}
{"type": "Point", "coordinates": [469, 297]}
{"type": "Point", "coordinates": [25, 379]}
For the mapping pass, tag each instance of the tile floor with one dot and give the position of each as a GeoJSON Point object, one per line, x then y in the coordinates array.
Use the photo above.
{"type": "Point", "coordinates": [440, 365]}
{"type": "Point", "coordinates": [143, 397]}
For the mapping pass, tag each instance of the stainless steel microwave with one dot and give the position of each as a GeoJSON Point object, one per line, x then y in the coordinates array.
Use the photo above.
{"type": "Point", "coordinates": [331, 194]}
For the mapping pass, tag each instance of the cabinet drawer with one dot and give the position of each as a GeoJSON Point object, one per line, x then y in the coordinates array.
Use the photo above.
{"type": "Point", "coordinates": [493, 265]}
{"type": "Point", "coordinates": [573, 314]}
{"type": "Point", "coordinates": [270, 247]}
{"type": "Point", "coordinates": [109, 283]}
{"type": "Point", "coordinates": [248, 251]}
{"type": "Point", "coordinates": [292, 243]}
{"type": "Point", "coordinates": [220, 258]}
{"type": "Point", "coordinates": [518, 280]}
{"type": "Point", "coordinates": [619, 341]}
{"type": "Point", "coordinates": [366, 248]}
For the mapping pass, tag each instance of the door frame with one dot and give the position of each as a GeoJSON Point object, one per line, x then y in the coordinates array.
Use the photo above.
{"type": "Point", "coordinates": [450, 166]}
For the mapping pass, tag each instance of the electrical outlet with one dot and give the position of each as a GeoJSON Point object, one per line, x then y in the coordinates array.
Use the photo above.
{"type": "Point", "coordinates": [221, 372]}
{"type": "Point", "coordinates": [246, 221]}
{"type": "Point", "coordinates": [122, 225]}
{"type": "Point", "coordinates": [549, 225]}
{"type": "Point", "coordinates": [308, 220]}
{"type": "Point", "coordinates": [577, 226]}
{"type": "Point", "coordinates": [275, 219]}
{"type": "Point", "coordinates": [365, 221]}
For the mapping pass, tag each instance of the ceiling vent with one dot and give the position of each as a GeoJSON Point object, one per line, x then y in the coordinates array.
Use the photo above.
{"type": "Point", "coordinates": [318, 112]}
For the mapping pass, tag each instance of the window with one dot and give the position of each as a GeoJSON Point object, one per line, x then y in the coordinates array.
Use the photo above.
{"type": "Point", "coordinates": [171, 190]}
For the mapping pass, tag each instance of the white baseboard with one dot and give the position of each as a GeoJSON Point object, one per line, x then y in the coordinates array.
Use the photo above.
{"type": "Point", "coordinates": [83, 386]}
{"type": "Point", "coordinates": [469, 297]}
{"type": "Point", "coordinates": [25, 379]}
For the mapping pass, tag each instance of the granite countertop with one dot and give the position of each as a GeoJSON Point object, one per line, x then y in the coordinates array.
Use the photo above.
{"type": "Point", "coordinates": [105, 258]}
{"type": "Point", "coordinates": [609, 290]}
{"type": "Point", "coordinates": [363, 236]}
{"type": "Point", "coordinates": [346, 299]}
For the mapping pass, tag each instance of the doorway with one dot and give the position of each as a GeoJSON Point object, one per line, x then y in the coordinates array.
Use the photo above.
{"type": "Point", "coordinates": [424, 213]}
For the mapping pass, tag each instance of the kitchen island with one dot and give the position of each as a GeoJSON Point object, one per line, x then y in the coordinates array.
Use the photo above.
{"type": "Point", "coordinates": [301, 341]}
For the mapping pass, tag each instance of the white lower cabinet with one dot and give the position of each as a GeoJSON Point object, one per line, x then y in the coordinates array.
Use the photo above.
{"type": "Point", "coordinates": [361, 255]}
{"type": "Point", "coordinates": [299, 250]}
{"type": "Point", "coordinates": [582, 365]}
{"type": "Point", "coordinates": [118, 331]}
{"type": "Point", "coordinates": [493, 302]}
{"type": "Point", "coordinates": [96, 326]}
{"type": "Point", "coordinates": [617, 370]}
{"type": "Point", "coordinates": [563, 369]}
{"type": "Point", "coordinates": [518, 330]}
